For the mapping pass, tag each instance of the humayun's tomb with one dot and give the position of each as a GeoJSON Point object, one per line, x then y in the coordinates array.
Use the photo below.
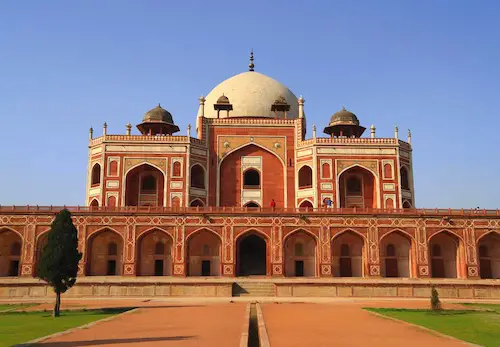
{"type": "Point", "coordinates": [244, 201]}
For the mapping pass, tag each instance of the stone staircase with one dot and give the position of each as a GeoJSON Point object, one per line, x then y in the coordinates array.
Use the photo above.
{"type": "Point", "coordinates": [254, 289]}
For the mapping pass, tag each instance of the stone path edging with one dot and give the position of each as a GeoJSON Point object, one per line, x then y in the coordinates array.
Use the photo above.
{"type": "Point", "coordinates": [64, 332]}
{"type": "Point", "coordinates": [424, 329]}
{"type": "Point", "coordinates": [263, 337]}
{"type": "Point", "coordinates": [246, 323]}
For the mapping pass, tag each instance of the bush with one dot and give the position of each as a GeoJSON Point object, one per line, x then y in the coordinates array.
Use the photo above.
{"type": "Point", "coordinates": [435, 302]}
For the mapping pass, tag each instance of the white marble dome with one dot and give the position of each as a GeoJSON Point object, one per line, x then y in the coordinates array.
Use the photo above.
{"type": "Point", "coordinates": [251, 94]}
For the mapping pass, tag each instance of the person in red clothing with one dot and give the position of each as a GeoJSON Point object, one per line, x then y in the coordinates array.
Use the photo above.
{"type": "Point", "coordinates": [272, 204]}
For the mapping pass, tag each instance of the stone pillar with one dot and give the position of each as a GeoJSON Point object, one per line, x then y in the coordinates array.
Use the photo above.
{"type": "Point", "coordinates": [421, 253]}
{"type": "Point", "coordinates": [228, 261]}
{"type": "Point", "coordinates": [82, 242]}
{"type": "Point", "coordinates": [179, 249]}
{"type": "Point", "coordinates": [471, 262]}
{"type": "Point", "coordinates": [373, 251]}
{"type": "Point", "coordinates": [129, 258]}
{"type": "Point", "coordinates": [26, 264]}
{"type": "Point", "coordinates": [276, 253]}
{"type": "Point", "coordinates": [325, 251]}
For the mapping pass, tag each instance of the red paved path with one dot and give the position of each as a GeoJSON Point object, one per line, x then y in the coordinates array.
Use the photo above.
{"type": "Point", "coordinates": [318, 325]}
{"type": "Point", "coordinates": [176, 326]}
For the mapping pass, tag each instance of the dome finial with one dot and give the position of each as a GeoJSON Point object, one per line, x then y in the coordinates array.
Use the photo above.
{"type": "Point", "coordinates": [251, 65]}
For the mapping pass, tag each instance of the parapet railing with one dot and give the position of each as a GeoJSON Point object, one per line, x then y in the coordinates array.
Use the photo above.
{"type": "Point", "coordinates": [146, 138]}
{"type": "Point", "coordinates": [350, 140]}
{"type": "Point", "coordinates": [252, 210]}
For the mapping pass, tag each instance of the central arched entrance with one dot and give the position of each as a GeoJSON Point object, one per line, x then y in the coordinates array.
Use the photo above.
{"type": "Point", "coordinates": [252, 255]}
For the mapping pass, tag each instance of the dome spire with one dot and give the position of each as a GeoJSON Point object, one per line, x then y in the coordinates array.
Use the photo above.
{"type": "Point", "coordinates": [251, 65]}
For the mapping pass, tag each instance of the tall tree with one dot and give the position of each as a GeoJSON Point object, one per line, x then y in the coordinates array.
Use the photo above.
{"type": "Point", "coordinates": [60, 257]}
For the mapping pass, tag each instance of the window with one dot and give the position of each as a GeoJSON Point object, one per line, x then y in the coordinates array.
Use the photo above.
{"type": "Point", "coordinates": [112, 248]}
{"type": "Point", "coordinates": [354, 186]}
{"type": "Point", "coordinates": [251, 179]}
{"type": "Point", "coordinates": [305, 177]}
{"type": "Point", "coordinates": [113, 168]}
{"type": "Point", "coordinates": [390, 250]}
{"type": "Point", "coordinates": [96, 174]}
{"type": "Point", "coordinates": [160, 248]}
{"type": "Point", "coordinates": [404, 178]}
{"type": "Point", "coordinates": [148, 183]}
{"type": "Point", "coordinates": [197, 177]}
{"type": "Point", "coordinates": [299, 249]}
{"type": "Point", "coordinates": [176, 169]}
{"type": "Point", "coordinates": [94, 203]}
{"type": "Point", "coordinates": [325, 170]}
{"type": "Point", "coordinates": [15, 249]}
{"type": "Point", "coordinates": [387, 171]}
{"type": "Point", "coordinates": [483, 251]}
{"type": "Point", "coordinates": [344, 250]}
{"type": "Point", "coordinates": [436, 251]}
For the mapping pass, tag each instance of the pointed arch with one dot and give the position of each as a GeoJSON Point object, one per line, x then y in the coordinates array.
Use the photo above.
{"type": "Point", "coordinates": [300, 253]}
{"type": "Point", "coordinates": [497, 232]}
{"type": "Point", "coordinates": [151, 229]}
{"type": "Point", "coordinates": [149, 261]}
{"type": "Point", "coordinates": [305, 176]}
{"type": "Point", "coordinates": [348, 249]}
{"type": "Point", "coordinates": [306, 201]}
{"type": "Point", "coordinates": [250, 144]}
{"type": "Point", "coordinates": [11, 247]}
{"type": "Point", "coordinates": [360, 234]}
{"type": "Point", "coordinates": [252, 230]}
{"type": "Point", "coordinates": [94, 203]}
{"type": "Point", "coordinates": [201, 229]}
{"type": "Point", "coordinates": [196, 202]}
{"type": "Point", "coordinates": [203, 253]}
{"type": "Point", "coordinates": [400, 231]}
{"type": "Point", "coordinates": [252, 252]}
{"type": "Point", "coordinates": [95, 175]}
{"type": "Point", "coordinates": [446, 250]}
{"type": "Point", "coordinates": [298, 230]}
{"type": "Point", "coordinates": [376, 179]}
{"type": "Point", "coordinates": [251, 203]}
{"type": "Point", "coordinates": [6, 228]}
{"type": "Point", "coordinates": [397, 252]}
{"type": "Point", "coordinates": [99, 261]}
{"type": "Point", "coordinates": [198, 176]}
{"type": "Point", "coordinates": [452, 233]}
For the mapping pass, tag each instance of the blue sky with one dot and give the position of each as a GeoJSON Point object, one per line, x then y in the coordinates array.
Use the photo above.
{"type": "Point", "coordinates": [431, 66]}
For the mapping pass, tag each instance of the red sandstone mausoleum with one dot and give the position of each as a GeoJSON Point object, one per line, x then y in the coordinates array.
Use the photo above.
{"type": "Point", "coordinates": [199, 204]}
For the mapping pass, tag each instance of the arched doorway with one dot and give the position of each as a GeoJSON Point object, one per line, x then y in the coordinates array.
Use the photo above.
{"type": "Point", "coordinates": [10, 253]}
{"type": "Point", "coordinates": [105, 254]}
{"type": "Point", "coordinates": [251, 204]}
{"type": "Point", "coordinates": [154, 256]}
{"type": "Point", "coordinates": [197, 176]}
{"type": "Point", "coordinates": [306, 204]}
{"type": "Point", "coordinates": [395, 254]}
{"type": "Point", "coordinates": [251, 255]}
{"type": "Point", "coordinates": [443, 249]}
{"type": "Point", "coordinates": [40, 245]}
{"type": "Point", "coordinates": [348, 255]}
{"type": "Point", "coordinates": [196, 203]}
{"type": "Point", "coordinates": [300, 255]}
{"type": "Point", "coordinates": [305, 177]}
{"type": "Point", "coordinates": [489, 256]}
{"type": "Point", "coordinates": [144, 186]}
{"type": "Point", "coordinates": [204, 254]}
{"type": "Point", "coordinates": [357, 188]}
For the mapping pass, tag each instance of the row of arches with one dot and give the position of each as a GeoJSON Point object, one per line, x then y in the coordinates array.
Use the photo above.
{"type": "Point", "coordinates": [104, 254]}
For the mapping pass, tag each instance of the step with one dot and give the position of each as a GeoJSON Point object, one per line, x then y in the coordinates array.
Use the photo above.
{"type": "Point", "coordinates": [253, 289]}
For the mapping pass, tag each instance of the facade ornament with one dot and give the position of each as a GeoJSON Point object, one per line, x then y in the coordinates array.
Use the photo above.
{"type": "Point", "coordinates": [314, 131]}
{"type": "Point", "coordinates": [396, 132]}
{"type": "Point", "coordinates": [189, 131]}
{"type": "Point", "coordinates": [409, 136]}
{"type": "Point", "coordinates": [91, 133]}
{"type": "Point", "coordinates": [226, 144]}
{"type": "Point", "coordinates": [129, 128]}
{"type": "Point", "coordinates": [301, 107]}
{"type": "Point", "coordinates": [372, 131]}
{"type": "Point", "coordinates": [104, 128]}
{"type": "Point", "coordinates": [251, 66]}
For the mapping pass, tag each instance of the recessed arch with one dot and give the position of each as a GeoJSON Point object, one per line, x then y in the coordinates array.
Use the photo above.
{"type": "Point", "coordinates": [251, 178]}
{"type": "Point", "coordinates": [488, 233]}
{"type": "Point", "coordinates": [11, 246]}
{"type": "Point", "coordinates": [247, 145]}
{"type": "Point", "coordinates": [445, 252]}
{"type": "Point", "coordinates": [488, 255]}
{"type": "Point", "coordinates": [348, 249]}
{"type": "Point", "coordinates": [300, 253]}
{"type": "Point", "coordinates": [95, 176]}
{"type": "Point", "coordinates": [99, 261]}
{"type": "Point", "coordinates": [445, 231]}
{"type": "Point", "coordinates": [306, 203]}
{"type": "Point", "coordinates": [396, 249]}
{"type": "Point", "coordinates": [197, 176]}
{"type": "Point", "coordinates": [375, 187]}
{"type": "Point", "coordinates": [6, 228]}
{"type": "Point", "coordinates": [251, 204]}
{"type": "Point", "coordinates": [203, 253]}
{"type": "Point", "coordinates": [360, 234]}
{"type": "Point", "coordinates": [149, 261]}
{"type": "Point", "coordinates": [404, 174]}
{"type": "Point", "coordinates": [305, 177]}
{"type": "Point", "coordinates": [148, 230]}
{"type": "Point", "coordinates": [138, 188]}
{"type": "Point", "coordinates": [252, 249]}
{"type": "Point", "coordinates": [94, 203]}
{"type": "Point", "coordinates": [196, 202]}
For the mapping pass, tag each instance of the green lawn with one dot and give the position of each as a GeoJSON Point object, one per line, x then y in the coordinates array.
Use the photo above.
{"type": "Point", "coordinates": [19, 327]}
{"type": "Point", "coordinates": [482, 328]}
{"type": "Point", "coordinates": [8, 307]}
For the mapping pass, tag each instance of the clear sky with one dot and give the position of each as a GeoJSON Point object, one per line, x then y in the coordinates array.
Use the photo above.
{"type": "Point", "coordinates": [432, 66]}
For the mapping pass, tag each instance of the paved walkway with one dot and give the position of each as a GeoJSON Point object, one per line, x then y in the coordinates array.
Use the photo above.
{"type": "Point", "coordinates": [318, 325]}
{"type": "Point", "coordinates": [176, 326]}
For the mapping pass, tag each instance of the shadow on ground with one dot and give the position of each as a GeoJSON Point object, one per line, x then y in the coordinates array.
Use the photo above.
{"type": "Point", "coordinates": [114, 341]}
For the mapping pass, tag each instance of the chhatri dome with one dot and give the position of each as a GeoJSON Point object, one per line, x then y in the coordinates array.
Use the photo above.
{"type": "Point", "coordinates": [252, 94]}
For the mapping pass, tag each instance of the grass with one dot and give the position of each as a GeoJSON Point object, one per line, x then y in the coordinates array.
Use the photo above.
{"type": "Point", "coordinates": [8, 307]}
{"type": "Point", "coordinates": [479, 327]}
{"type": "Point", "coordinates": [19, 327]}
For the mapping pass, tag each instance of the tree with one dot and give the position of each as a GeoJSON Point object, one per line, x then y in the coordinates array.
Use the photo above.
{"type": "Point", "coordinates": [435, 302]}
{"type": "Point", "coordinates": [60, 257]}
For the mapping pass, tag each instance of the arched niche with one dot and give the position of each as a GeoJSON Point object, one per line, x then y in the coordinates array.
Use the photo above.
{"type": "Point", "coordinates": [348, 254]}
{"type": "Point", "coordinates": [95, 177]}
{"type": "Point", "coordinates": [144, 186]}
{"type": "Point", "coordinates": [305, 177]}
{"type": "Point", "coordinates": [197, 176]}
{"type": "Point", "coordinates": [357, 188]}
{"type": "Point", "coordinates": [395, 255]}
{"type": "Point", "coordinates": [444, 251]}
{"type": "Point", "coordinates": [10, 253]}
{"type": "Point", "coordinates": [488, 249]}
{"type": "Point", "coordinates": [300, 255]}
{"type": "Point", "coordinates": [154, 258]}
{"type": "Point", "coordinates": [105, 253]}
{"type": "Point", "coordinates": [251, 254]}
{"type": "Point", "coordinates": [204, 254]}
